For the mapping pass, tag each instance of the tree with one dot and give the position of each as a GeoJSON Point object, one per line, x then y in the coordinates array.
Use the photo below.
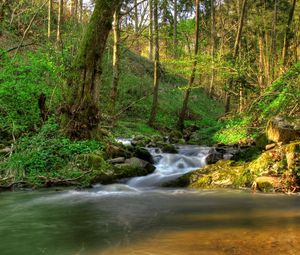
{"type": "Point", "coordinates": [286, 40]}
{"type": "Point", "coordinates": [175, 30]}
{"type": "Point", "coordinates": [116, 58]}
{"type": "Point", "coordinates": [81, 115]}
{"type": "Point", "coordinates": [49, 17]}
{"type": "Point", "coordinates": [156, 66]}
{"type": "Point", "coordinates": [182, 114]}
{"type": "Point", "coordinates": [59, 20]}
{"type": "Point", "coordinates": [150, 29]}
{"type": "Point", "coordinates": [213, 45]}
{"type": "Point", "coordinates": [235, 52]}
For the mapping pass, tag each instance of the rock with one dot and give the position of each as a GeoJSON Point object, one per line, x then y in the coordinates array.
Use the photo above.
{"type": "Point", "coordinates": [270, 146]}
{"type": "Point", "coordinates": [116, 160]}
{"type": "Point", "coordinates": [139, 163]}
{"type": "Point", "coordinates": [280, 130]}
{"type": "Point", "coordinates": [133, 167]}
{"type": "Point", "coordinates": [175, 136]}
{"type": "Point", "coordinates": [113, 151]}
{"type": "Point", "coordinates": [142, 153]}
{"type": "Point", "coordinates": [268, 183]}
{"type": "Point", "coordinates": [292, 153]}
{"type": "Point", "coordinates": [92, 161]}
{"type": "Point", "coordinates": [140, 141]}
{"type": "Point", "coordinates": [213, 157]}
{"type": "Point", "coordinates": [169, 148]}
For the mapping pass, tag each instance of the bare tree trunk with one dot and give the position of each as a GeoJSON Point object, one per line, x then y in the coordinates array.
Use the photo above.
{"type": "Point", "coordinates": [151, 29]}
{"type": "Point", "coordinates": [274, 37]}
{"type": "Point", "coordinates": [175, 31]}
{"type": "Point", "coordinates": [136, 17]}
{"type": "Point", "coordinates": [80, 11]}
{"type": "Point", "coordinates": [156, 66]}
{"type": "Point", "coordinates": [49, 17]}
{"type": "Point", "coordinates": [213, 43]}
{"type": "Point", "coordinates": [286, 40]}
{"type": "Point", "coordinates": [180, 123]}
{"type": "Point", "coordinates": [81, 115]}
{"type": "Point", "coordinates": [236, 51]}
{"type": "Point", "coordinates": [261, 80]}
{"type": "Point", "coordinates": [76, 10]}
{"type": "Point", "coordinates": [116, 59]}
{"type": "Point", "coordinates": [59, 20]}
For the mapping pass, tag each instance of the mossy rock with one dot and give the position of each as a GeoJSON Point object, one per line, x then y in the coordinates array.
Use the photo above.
{"type": "Point", "coordinates": [267, 183]}
{"type": "Point", "coordinates": [133, 167]}
{"type": "Point", "coordinates": [280, 130]}
{"type": "Point", "coordinates": [142, 153]}
{"type": "Point", "coordinates": [92, 161]}
{"type": "Point", "coordinates": [292, 153]}
{"type": "Point", "coordinates": [175, 136]}
{"type": "Point", "coordinates": [169, 148]}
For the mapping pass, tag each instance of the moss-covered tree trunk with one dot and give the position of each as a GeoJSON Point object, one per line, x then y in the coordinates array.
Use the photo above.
{"type": "Point", "coordinates": [81, 114]}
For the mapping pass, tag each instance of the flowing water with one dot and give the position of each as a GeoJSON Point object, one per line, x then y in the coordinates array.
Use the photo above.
{"type": "Point", "coordinates": [140, 219]}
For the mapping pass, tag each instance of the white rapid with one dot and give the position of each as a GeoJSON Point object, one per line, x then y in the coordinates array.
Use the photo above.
{"type": "Point", "coordinates": [171, 166]}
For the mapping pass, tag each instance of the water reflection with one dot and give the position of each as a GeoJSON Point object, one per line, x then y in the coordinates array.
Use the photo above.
{"type": "Point", "coordinates": [120, 220]}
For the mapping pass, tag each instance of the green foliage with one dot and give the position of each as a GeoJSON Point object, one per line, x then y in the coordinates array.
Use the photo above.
{"type": "Point", "coordinates": [46, 153]}
{"type": "Point", "coordinates": [234, 130]}
{"type": "Point", "coordinates": [280, 98]}
{"type": "Point", "coordinates": [23, 79]}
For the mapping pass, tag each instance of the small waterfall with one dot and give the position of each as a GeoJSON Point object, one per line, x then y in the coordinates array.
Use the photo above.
{"type": "Point", "coordinates": [171, 166]}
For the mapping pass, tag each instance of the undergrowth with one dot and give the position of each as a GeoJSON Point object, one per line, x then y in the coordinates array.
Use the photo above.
{"type": "Point", "coordinates": [46, 153]}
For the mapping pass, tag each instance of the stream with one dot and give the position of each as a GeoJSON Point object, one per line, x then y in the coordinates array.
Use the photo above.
{"type": "Point", "coordinates": [137, 216]}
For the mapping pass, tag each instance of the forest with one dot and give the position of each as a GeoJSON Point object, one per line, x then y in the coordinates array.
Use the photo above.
{"type": "Point", "coordinates": [76, 75]}
{"type": "Point", "coordinates": [149, 127]}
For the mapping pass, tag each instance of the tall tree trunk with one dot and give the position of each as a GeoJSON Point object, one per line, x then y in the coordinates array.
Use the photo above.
{"type": "Point", "coordinates": [76, 10]}
{"type": "Point", "coordinates": [136, 17]}
{"type": "Point", "coordinates": [261, 80]}
{"type": "Point", "coordinates": [175, 31]}
{"type": "Point", "coordinates": [59, 20]}
{"type": "Point", "coordinates": [286, 40]}
{"type": "Point", "coordinates": [80, 11]}
{"type": "Point", "coordinates": [274, 37]}
{"type": "Point", "coordinates": [116, 59]}
{"type": "Point", "coordinates": [213, 31]}
{"type": "Point", "coordinates": [81, 115]}
{"type": "Point", "coordinates": [151, 29]}
{"type": "Point", "coordinates": [49, 17]}
{"type": "Point", "coordinates": [156, 66]}
{"type": "Point", "coordinates": [182, 114]}
{"type": "Point", "coordinates": [72, 8]}
{"type": "Point", "coordinates": [235, 52]}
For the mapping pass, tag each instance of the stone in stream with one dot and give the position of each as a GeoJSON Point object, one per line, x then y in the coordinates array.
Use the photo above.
{"type": "Point", "coordinates": [213, 157]}
{"type": "Point", "coordinates": [134, 167]}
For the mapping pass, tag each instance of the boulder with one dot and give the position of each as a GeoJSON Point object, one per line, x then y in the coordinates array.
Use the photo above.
{"type": "Point", "coordinates": [292, 153]}
{"type": "Point", "coordinates": [213, 157]}
{"type": "Point", "coordinates": [143, 154]}
{"type": "Point", "coordinates": [267, 183]}
{"type": "Point", "coordinates": [280, 130]}
{"type": "Point", "coordinates": [114, 151]}
{"type": "Point", "coordinates": [133, 167]}
{"type": "Point", "coordinates": [169, 148]}
{"type": "Point", "coordinates": [139, 163]}
{"type": "Point", "coordinates": [116, 160]}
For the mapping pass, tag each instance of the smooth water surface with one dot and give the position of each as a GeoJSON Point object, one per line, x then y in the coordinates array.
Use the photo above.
{"type": "Point", "coordinates": [119, 219]}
